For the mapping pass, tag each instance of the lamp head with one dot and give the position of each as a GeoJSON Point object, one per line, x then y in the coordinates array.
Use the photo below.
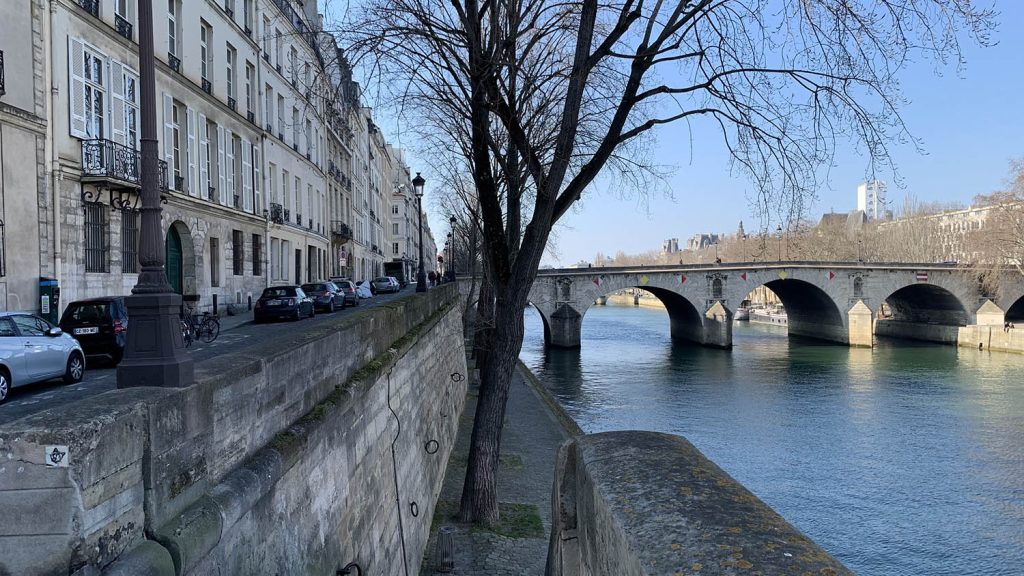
{"type": "Point", "coordinates": [417, 185]}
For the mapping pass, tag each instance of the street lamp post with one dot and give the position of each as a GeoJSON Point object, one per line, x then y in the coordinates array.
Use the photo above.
{"type": "Point", "coordinates": [452, 221]}
{"type": "Point", "coordinates": [417, 186]}
{"type": "Point", "coordinates": [778, 230]}
{"type": "Point", "coordinates": [154, 352]}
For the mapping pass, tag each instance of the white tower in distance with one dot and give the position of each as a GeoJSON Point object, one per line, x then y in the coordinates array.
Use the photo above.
{"type": "Point", "coordinates": [871, 199]}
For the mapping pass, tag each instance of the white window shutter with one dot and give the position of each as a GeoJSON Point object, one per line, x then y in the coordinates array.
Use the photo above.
{"type": "Point", "coordinates": [76, 73]}
{"type": "Point", "coordinates": [221, 167]}
{"type": "Point", "coordinates": [246, 175]}
{"type": "Point", "coordinates": [229, 168]}
{"type": "Point", "coordinates": [191, 178]}
{"type": "Point", "coordinates": [117, 128]}
{"type": "Point", "coordinates": [257, 180]}
{"type": "Point", "coordinates": [204, 151]}
{"type": "Point", "coordinates": [169, 136]}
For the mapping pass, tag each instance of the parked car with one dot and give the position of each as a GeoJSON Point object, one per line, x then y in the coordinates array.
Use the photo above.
{"type": "Point", "coordinates": [279, 302]}
{"type": "Point", "coordinates": [363, 289]}
{"type": "Point", "coordinates": [325, 295]}
{"type": "Point", "coordinates": [348, 288]}
{"type": "Point", "coordinates": [100, 325]}
{"type": "Point", "coordinates": [384, 284]}
{"type": "Point", "coordinates": [33, 350]}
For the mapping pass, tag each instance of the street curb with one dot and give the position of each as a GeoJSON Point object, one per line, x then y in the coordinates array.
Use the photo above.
{"type": "Point", "coordinates": [545, 396]}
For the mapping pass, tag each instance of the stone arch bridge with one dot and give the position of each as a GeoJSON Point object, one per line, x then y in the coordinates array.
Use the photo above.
{"type": "Point", "coordinates": [838, 302]}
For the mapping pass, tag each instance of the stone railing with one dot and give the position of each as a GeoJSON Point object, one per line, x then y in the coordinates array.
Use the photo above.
{"type": "Point", "coordinates": [644, 503]}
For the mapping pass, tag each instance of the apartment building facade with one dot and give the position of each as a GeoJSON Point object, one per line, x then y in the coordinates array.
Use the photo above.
{"type": "Point", "coordinates": [272, 170]}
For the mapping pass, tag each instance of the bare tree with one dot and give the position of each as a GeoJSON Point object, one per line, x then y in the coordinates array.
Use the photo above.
{"type": "Point", "coordinates": [999, 242]}
{"type": "Point", "coordinates": [553, 93]}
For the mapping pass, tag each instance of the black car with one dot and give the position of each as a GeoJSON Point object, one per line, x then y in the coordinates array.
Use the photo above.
{"type": "Point", "coordinates": [325, 295]}
{"type": "Point", "coordinates": [100, 325]}
{"type": "Point", "coordinates": [278, 302]}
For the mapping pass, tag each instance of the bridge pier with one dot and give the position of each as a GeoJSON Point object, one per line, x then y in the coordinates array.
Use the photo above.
{"type": "Point", "coordinates": [564, 327]}
{"type": "Point", "coordinates": [861, 322]}
{"type": "Point", "coordinates": [718, 327]}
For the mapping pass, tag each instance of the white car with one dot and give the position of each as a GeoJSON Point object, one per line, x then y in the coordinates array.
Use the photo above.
{"type": "Point", "coordinates": [33, 350]}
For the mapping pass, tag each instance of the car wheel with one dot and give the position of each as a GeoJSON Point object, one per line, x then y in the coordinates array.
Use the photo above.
{"type": "Point", "coordinates": [116, 357]}
{"type": "Point", "coordinates": [5, 384]}
{"type": "Point", "coordinates": [312, 311]}
{"type": "Point", "coordinates": [75, 369]}
{"type": "Point", "coordinates": [330, 307]}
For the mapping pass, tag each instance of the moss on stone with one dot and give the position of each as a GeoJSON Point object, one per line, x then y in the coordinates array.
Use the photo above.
{"type": "Point", "coordinates": [516, 521]}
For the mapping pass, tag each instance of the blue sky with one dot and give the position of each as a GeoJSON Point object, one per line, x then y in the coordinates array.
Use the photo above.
{"type": "Point", "coordinates": [969, 121]}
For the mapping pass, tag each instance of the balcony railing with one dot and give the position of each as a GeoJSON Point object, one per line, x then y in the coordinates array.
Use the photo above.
{"type": "Point", "coordinates": [287, 215]}
{"type": "Point", "coordinates": [250, 116]}
{"type": "Point", "coordinates": [232, 103]}
{"type": "Point", "coordinates": [116, 165]}
{"type": "Point", "coordinates": [310, 224]}
{"type": "Point", "coordinates": [238, 202]}
{"type": "Point", "coordinates": [90, 6]}
{"type": "Point", "coordinates": [298, 219]}
{"type": "Point", "coordinates": [179, 183]}
{"type": "Point", "coordinates": [276, 213]}
{"type": "Point", "coordinates": [3, 86]}
{"type": "Point", "coordinates": [340, 230]}
{"type": "Point", "coordinates": [123, 26]}
{"type": "Point", "coordinates": [248, 31]}
{"type": "Point", "coordinates": [174, 62]}
{"type": "Point", "coordinates": [207, 86]}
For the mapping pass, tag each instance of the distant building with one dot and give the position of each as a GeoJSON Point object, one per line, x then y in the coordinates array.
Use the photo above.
{"type": "Point", "coordinates": [871, 199]}
{"type": "Point", "coordinates": [670, 246]}
{"type": "Point", "coordinates": [701, 241]}
{"type": "Point", "coordinates": [580, 264]}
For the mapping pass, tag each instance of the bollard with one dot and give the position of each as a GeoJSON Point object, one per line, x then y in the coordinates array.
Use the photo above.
{"type": "Point", "coordinates": [445, 552]}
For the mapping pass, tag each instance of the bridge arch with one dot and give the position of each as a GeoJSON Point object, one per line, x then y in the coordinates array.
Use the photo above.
{"type": "Point", "coordinates": [1015, 313]}
{"type": "Point", "coordinates": [810, 311]}
{"type": "Point", "coordinates": [923, 311]}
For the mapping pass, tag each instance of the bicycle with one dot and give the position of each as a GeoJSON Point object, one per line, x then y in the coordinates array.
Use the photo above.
{"type": "Point", "coordinates": [205, 327]}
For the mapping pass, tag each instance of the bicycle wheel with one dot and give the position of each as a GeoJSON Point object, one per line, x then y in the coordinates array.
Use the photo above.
{"type": "Point", "coordinates": [186, 334]}
{"type": "Point", "coordinates": [209, 330]}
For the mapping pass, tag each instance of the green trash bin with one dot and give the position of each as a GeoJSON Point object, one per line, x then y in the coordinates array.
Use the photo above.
{"type": "Point", "coordinates": [49, 299]}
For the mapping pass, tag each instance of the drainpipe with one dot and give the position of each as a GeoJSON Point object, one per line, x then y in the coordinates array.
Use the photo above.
{"type": "Point", "coordinates": [50, 147]}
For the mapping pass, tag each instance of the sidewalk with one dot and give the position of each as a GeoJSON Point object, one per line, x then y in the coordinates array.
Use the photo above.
{"type": "Point", "coordinates": [530, 440]}
{"type": "Point", "coordinates": [231, 322]}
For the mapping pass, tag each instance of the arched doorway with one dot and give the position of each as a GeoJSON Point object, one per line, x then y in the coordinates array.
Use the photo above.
{"type": "Point", "coordinates": [173, 263]}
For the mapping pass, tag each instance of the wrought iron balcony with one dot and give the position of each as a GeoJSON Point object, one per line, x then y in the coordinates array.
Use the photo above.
{"type": "Point", "coordinates": [3, 85]}
{"type": "Point", "coordinates": [123, 26]}
{"type": "Point", "coordinates": [266, 56]}
{"type": "Point", "coordinates": [106, 161]}
{"type": "Point", "coordinates": [179, 183]}
{"type": "Point", "coordinates": [287, 215]}
{"type": "Point", "coordinates": [298, 219]}
{"type": "Point", "coordinates": [211, 193]}
{"type": "Point", "coordinates": [91, 6]}
{"type": "Point", "coordinates": [341, 231]}
{"type": "Point", "coordinates": [251, 116]}
{"type": "Point", "coordinates": [232, 103]}
{"type": "Point", "coordinates": [238, 202]}
{"type": "Point", "coordinates": [248, 31]}
{"type": "Point", "coordinates": [207, 86]}
{"type": "Point", "coordinates": [276, 213]}
{"type": "Point", "coordinates": [230, 12]}
{"type": "Point", "coordinates": [174, 62]}
{"type": "Point", "coordinates": [270, 127]}
{"type": "Point", "coordinates": [310, 224]}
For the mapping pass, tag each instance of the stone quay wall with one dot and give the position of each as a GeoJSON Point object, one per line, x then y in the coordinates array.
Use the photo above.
{"type": "Point", "coordinates": [993, 338]}
{"type": "Point", "coordinates": [294, 456]}
{"type": "Point", "coordinates": [641, 503]}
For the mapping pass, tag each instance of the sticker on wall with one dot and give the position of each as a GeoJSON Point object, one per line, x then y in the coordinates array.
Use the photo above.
{"type": "Point", "coordinates": [644, 279]}
{"type": "Point", "coordinates": [831, 275]}
{"type": "Point", "coordinates": [598, 280]}
{"type": "Point", "coordinates": [922, 276]}
{"type": "Point", "coordinates": [56, 456]}
{"type": "Point", "coordinates": [783, 274]}
{"type": "Point", "coordinates": [744, 276]}
{"type": "Point", "coordinates": [682, 279]}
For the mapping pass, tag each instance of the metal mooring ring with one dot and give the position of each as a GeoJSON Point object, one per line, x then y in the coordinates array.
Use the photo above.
{"type": "Point", "coordinates": [432, 446]}
{"type": "Point", "coordinates": [414, 508]}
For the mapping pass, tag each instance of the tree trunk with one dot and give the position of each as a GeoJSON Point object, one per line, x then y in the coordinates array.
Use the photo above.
{"type": "Point", "coordinates": [484, 322]}
{"type": "Point", "coordinates": [479, 492]}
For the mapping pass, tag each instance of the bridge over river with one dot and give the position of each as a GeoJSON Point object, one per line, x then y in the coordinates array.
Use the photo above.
{"type": "Point", "coordinates": [834, 301]}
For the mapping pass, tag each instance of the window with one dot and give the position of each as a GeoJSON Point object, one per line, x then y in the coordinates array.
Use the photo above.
{"type": "Point", "coordinates": [266, 38]}
{"type": "Point", "coordinates": [280, 116]}
{"type": "Point", "coordinates": [229, 7]}
{"type": "Point", "coordinates": [250, 98]}
{"type": "Point", "coordinates": [212, 167]}
{"type": "Point", "coordinates": [247, 16]}
{"type": "Point", "coordinates": [173, 32]}
{"type": "Point", "coordinates": [293, 61]}
{"type": "Point", "coordinates": [131, 109]}
{"type": "Point", "coordinates": [205, 55]}
{"type": "Point", "coordinates": [236, 170]}
{"type": "Point", "coordinates": [309, 137]}
{"type": "Point", "coordinates": [286, 190]}
{"type": "Point", "coordinates": [94, 94]}
{"type": "Point", "coordinates": [230, 75]}
{"type": "Point", "coordinates": [214, 262]}
{"type": "Point", "coordinates": [275, 258]}
{"type": "Point", "coordinates": [268, 106]}
{"type": "Point", "coordinates": [177, 144]}
{"type": "Point", "coordinates": [279, 53]}
{"type": "Point", "coordinates": [272, 176]}
{"type": "Point", "coordinates": [257, 255]}
{"type": "Point", "coordinates": [394, 228]}
{"type": "Point", "coordinates": [96, 237]}
{"type": "Point", "coordinates": [238, 252]}
{"type": "Point", "coordinates": [129, 241]}
{"type": "Point", "coordinates": [394, 210]}
{"type": "Point", "coordinates": [295, 127]}
{"type": "Point", "coordinates": [30, 325]}
{"type": "Point", "coordinates": [394, 248]}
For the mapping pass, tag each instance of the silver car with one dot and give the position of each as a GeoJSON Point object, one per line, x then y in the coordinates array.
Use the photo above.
{"type": "Point", "coordinates": [33, 350]}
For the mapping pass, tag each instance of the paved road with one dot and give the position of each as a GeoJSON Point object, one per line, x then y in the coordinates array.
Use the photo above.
{"type": "Point", "coordinates": [26, 400]}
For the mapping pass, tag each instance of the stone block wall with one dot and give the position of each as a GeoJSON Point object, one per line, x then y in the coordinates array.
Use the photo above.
{"type": "Point", "coordinates": [638, 503]}
{"type": "Point", "coordinates": [305, 421]}
{"type": "Point", "coordinates": [992, 338]}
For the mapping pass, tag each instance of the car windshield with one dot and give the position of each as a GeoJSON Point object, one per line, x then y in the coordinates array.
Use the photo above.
{"type": "Point", "coordinates": [89, 312]}
{"type": "Point", "coordinates": [314, 287]}
{"type": "Point", "coordinates": [279, 292]}
{"type": "Point", "coordinates": [383, 280]}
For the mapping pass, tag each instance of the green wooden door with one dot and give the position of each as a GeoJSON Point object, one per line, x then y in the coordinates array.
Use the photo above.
{"type": "Point", "coordinates": [173, 262]}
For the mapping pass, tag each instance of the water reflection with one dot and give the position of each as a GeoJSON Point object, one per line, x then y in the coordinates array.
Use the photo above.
{"type": "Point", "coordinates": [904, 459]}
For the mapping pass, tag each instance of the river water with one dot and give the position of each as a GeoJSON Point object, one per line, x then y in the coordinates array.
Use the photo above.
{"type": "Point", "coordinates": [903, 460]}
